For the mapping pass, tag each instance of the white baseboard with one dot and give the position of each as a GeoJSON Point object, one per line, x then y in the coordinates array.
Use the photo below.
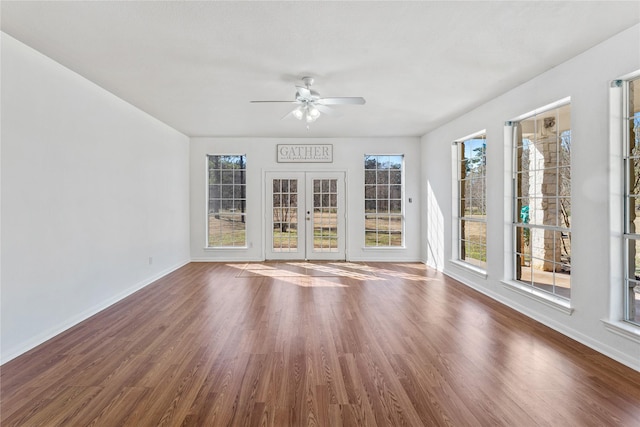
{"type": "Point", "coordinates": [383, 259]}
{"type": "Point", "coordinates": [74, 320]}
{"type": "Point", "coordinates": [233, 260]}
{"type": "Point", "coordinates": [598, 346]}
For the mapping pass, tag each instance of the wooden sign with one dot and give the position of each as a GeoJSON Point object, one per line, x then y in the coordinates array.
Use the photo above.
{"type": "Point", "coordinates": [305, 153]}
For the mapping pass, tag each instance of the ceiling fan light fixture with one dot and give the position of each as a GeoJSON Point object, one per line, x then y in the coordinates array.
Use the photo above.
{"type": "Point", "coordinates": [314, 112]}
{"type": "Point", "coordinates": [297, 113]}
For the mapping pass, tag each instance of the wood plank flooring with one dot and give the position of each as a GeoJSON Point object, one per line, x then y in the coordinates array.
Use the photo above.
{"type": "Point", "coordinates": [322, 344]}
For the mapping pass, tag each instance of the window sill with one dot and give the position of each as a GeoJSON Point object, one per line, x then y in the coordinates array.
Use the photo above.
{"type": "Point", "coordinates": [227, 248]}
{"type": "Point", "coordinates": [556, 303]}
{"type": "Point", "coordinates": [469, 267]}
{"type": "Point", "coordinates": [383, 248]}
{"type": "Point", "coordinates": [623, 329]}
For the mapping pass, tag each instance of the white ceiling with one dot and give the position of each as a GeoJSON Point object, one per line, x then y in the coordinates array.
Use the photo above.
{"type": "Point", "coordinates": [195, 65]}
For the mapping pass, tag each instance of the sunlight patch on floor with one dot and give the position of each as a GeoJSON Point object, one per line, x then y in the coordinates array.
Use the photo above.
{"type": "Point", "coordinates": [319, 274]}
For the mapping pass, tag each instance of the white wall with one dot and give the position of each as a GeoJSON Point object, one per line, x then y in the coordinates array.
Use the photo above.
{"type": "Point", "coordinates": [348, 155]}
{"type": "Point", "coordinates": [586, 79]}
{"type": "Point", "coordinates": [91, 189]}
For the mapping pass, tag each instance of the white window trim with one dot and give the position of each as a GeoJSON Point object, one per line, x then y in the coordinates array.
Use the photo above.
{"type": "Point", "coordinates": [552, 106]}
{"type": "Point", "coordinates": [402, 246]}
{"type": "Point", "coordinates": [455, 208]}
{"type": "Point", "coordinates": [383, 248]}
{"type": "Point", "coordinates": [550, 300]}
{"type": "Point", "coordinates": [616, 322]}
{"type": "Point", "coordinates": [478, 271]}
{"type": "Point", "coordinates": [206, 209]}
{"type": "Point", "coordinates": [224, 248]}
{"type": "Point", "coordinates": [624, 329]}
{"type": "Point", "coordinates": [561, 304]}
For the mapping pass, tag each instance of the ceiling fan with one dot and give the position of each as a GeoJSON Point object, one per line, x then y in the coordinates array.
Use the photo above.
{"type": "Point", "coordinates": [311, 104]}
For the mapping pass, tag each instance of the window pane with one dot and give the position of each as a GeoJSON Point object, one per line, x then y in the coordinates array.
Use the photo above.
{"type": "Point", "coordinates": [632, 284]}
{"type": "Point", "coordinates": [395, 162]}
{"type": "Point", "coordinates": [370, 206]}
{"type": "Point", "coordinates": [214, 176]}
{"type": "Point", "coordinates": [633, 186]}
{"type": "Point", "coordinates": [369, 191]}
{"type": "Point", "coordinates": [369, 176]}
{"type": "Point", "coordinates": [382, 192]}
{"type": "Point", "coordinates": [227, 176]}
{"type": "Point", "coordinates": [227, 191]}
{"type": "Point", "coordinates": [395, 230]}
{"type": "Point", "coordinates": [395, 206]}
{"type": "Point", "coordinates": [395, 177]}
{"type": "Point", "coordinates": [395, 191]}
{"type": "Point", "coordinates": [475, 254]}
{"type": "Point", "coordinates": [565, 212]}
{"type": "Point", "coordinates": [370, 162]}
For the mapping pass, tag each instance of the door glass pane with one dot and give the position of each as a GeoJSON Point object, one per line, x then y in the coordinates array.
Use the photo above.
{"type": "Point", "coordinates": [325, 212]}
{"type": "Point", "coordinates": [285, 215]}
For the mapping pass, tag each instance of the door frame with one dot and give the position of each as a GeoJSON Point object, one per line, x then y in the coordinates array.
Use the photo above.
{"type": "Point", "coordinates": [305, 203]}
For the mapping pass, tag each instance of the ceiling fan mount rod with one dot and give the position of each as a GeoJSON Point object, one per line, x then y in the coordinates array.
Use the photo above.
{"type": "Point", "coordinates": [308, 81]}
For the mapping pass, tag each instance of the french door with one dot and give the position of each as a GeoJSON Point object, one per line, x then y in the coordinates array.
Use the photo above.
{"type": "Point", "coordinates": [305, 215]}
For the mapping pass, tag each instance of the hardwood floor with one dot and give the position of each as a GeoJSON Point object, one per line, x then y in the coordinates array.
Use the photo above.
{"type": "Point", "coordinates": [327, 344]}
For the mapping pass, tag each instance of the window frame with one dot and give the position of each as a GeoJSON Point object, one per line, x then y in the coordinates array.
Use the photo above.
{"type": "Point", "coordinates": [459, 216]}
{"type": "Point", "coordinates": [628, 237]}
{"type": "Point", "coordinates": [388, 199]}
{"type": "Point", "coordinates": [233, 200]}
{"type": "Point", "coordinates": [550, 297]}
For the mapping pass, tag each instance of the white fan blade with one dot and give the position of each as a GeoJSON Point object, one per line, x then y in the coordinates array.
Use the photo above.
{"type": "Point", "coordinates": [299, 109]}
{"type": "Point", "coordinates": [289, 114]}
{"type": "Point", "coordinates": [258, 102]}
{"type": "Point", "coordinates": [355, 100]}
{"type": "Point", "coordinates": [326, 110]}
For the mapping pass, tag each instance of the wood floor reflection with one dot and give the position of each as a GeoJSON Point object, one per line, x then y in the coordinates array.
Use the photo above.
{"type": "Point", "coordinates": [314, 344]}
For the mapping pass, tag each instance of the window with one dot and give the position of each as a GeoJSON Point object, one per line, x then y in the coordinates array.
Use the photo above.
{"type": "Point", "coordinates": [226, 218]}
{"type": "Point", "coordinates": [542, 202]}
{"type": "Point", "coordinates": [472, 202]}
{"type": "Point", "coordinates": [631, 132]}
{"type": "Point", "coordinates": [383, 188]}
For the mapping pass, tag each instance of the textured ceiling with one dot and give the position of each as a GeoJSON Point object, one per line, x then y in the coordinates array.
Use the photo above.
{"type": "Point", "coordinates": [195, 65]}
